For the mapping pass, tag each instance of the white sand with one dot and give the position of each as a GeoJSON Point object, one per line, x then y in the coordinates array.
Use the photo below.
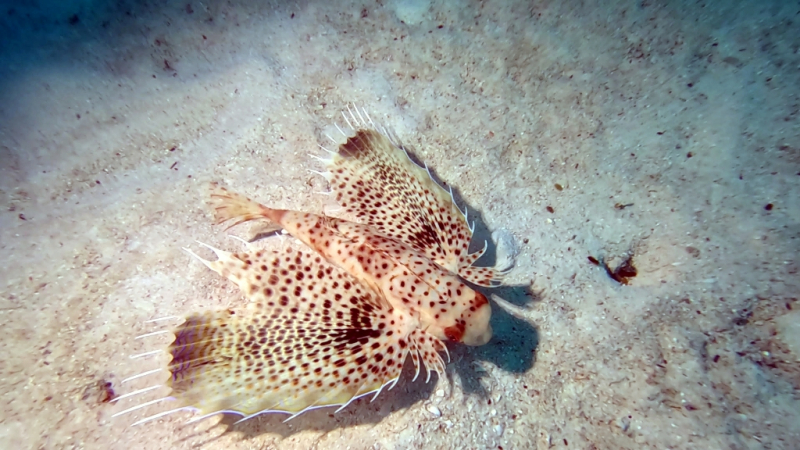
{"type": "Point", "coordinates": [110, 126]}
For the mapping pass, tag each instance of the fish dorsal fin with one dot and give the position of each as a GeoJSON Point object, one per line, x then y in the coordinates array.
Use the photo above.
{"type": "Point", "coordinates": [376, 180]}
{"type": "Point", "coordinates": [313, 336]}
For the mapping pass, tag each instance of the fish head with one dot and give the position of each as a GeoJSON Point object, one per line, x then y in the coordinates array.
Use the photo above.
{"type": "Point", "coordinates": [471, 323]}
{"type": "Point", "coordinates": [462, 314]}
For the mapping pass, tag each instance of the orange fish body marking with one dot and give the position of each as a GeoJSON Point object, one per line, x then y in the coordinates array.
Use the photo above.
{"type": "Point", "coordinates": [335, 322]}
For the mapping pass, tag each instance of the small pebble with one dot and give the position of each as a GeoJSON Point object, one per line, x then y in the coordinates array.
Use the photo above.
{"type": "Point", "coordinates": [499, 428]}
{"type": "Point", "coordinates": [624, 423]}
{"type": "Point", "coordinates": [434, 410]}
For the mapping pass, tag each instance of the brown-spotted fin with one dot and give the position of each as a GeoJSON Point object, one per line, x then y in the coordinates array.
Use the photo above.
{"type": "Point", "coordinates": [311, 336]}
{"type": "Point", "coordinates": [373, 178]}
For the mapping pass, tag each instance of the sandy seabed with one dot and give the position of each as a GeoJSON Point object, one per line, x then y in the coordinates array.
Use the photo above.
{"type": "Point", "coordinates": [668, 132]}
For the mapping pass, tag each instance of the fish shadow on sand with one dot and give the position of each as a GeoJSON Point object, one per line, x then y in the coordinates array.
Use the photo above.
{"type": "Point", "coordinates": [514, 341]}
{"type": "Point", "coordinates": [512, 348]}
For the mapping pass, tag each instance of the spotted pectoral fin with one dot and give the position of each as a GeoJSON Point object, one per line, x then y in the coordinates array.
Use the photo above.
{"type": "Point", "coordinates": [312, 336]}
{"type": "Point", "coordinates": [256, 361]}
{"type": "Point", "coordinates": [376, 180]}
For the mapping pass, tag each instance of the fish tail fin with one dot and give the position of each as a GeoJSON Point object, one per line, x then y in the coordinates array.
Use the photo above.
{"type": "Point", "coordinates": [230, 206]}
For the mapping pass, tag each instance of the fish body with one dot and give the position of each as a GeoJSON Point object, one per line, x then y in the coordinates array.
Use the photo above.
{"type": "Point", "coordinates": [335, 321]}
{"type": "Point", "coordinates": [441, 303]}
